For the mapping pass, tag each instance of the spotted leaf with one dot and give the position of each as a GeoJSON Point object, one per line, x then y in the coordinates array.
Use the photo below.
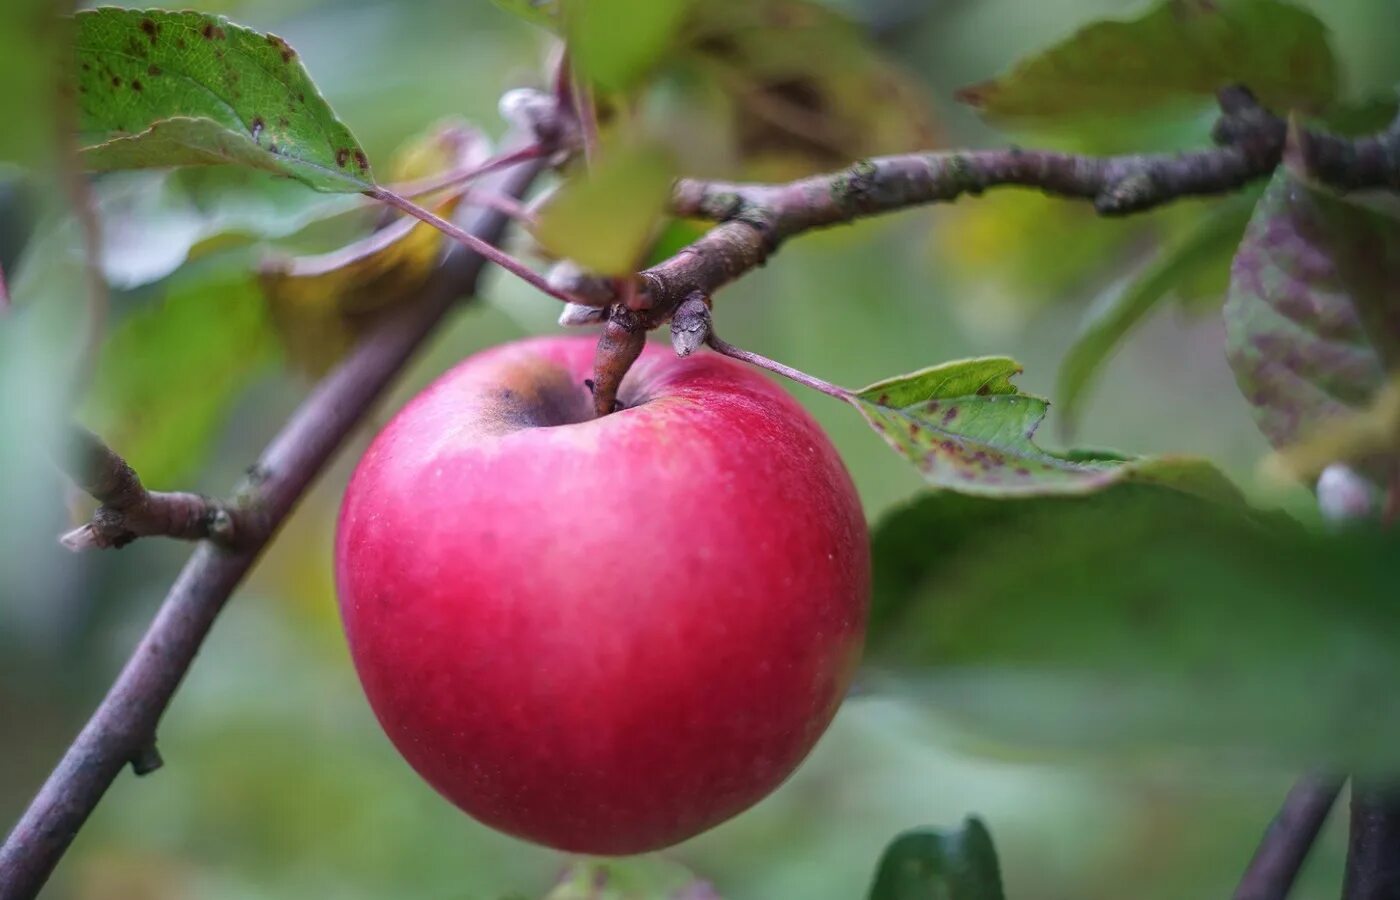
{"type": "Point", "coordinates": [1313, 315]}
{"type": "Point", "coordinates": [158, 89]}
{"type": "Point", "coordinates": [968, 428]}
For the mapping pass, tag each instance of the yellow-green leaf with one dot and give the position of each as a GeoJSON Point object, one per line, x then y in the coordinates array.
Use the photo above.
{"type": "Point", "coordinates": [605, 220]}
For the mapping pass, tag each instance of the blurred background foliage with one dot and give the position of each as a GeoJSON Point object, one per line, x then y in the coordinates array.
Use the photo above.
{"type": "Point", "coordinates": [279, 784]}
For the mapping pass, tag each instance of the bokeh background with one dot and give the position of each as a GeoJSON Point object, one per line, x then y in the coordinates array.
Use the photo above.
{"type": "Point", "coordinates": [278, 782]}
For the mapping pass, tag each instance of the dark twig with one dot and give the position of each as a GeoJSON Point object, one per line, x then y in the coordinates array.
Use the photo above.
{"type": "Point", "coordinates": [122, 728]}
{"type": "Point", "coordinates": [1373, 854]}
{"type": "Point", "coordinates": [4, 293]}
{"type": "Point", "coordinates": [1290, 836]}
{"type": "Point", "coordinates": [129, 511]}
{"type": "Point", "coordinates": [755, 219]}
{"type": "Point", "coordinates": [763, 362]}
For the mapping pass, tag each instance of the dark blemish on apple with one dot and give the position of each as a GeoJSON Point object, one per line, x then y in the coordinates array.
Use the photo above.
{"type": "Point", "coordinates": [984, 390]}
{"type": "Point", "coordinates": [950, 415]}
{"type": "Point", "coordinates": [116, 82]}
{"type": "Point", "coordinates": [257, 128]}
{"type": "Point", "coordinates": [932, 406]}
{"type": "Point", "coordinates": [136, 84]}
{"type": "Point", "coordinates": [342, 157]}
{"type": "Point", "coordinates": [272, 148]}
{"type": "Point", "coordinates": [361, 160]}
{"type": "Point", "coordinates": [914, 429]}
{"type": "Point", "coordinates": [212, 32]}
{"type": "Point", "coordinates": [87, 68]}
{"type": "Point", "coordinates": [151, 28]}
{"type": "Point", "coordinates": [301, 97]}
{"type": "Point", "coordinates": [883, 399]}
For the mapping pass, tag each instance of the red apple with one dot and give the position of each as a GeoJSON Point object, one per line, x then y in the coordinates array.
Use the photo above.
{"type": "Point", "coordinates": [607, 634]}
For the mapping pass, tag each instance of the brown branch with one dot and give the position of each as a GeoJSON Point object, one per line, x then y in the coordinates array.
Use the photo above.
{"type": "Point", "coordinates": [129, 511]}
{"type": "Point", "coordinates": [755, 219]}
{"type": "Point", "coordinates": [122, 729]}
{"type": "Point", "coordinates": [1290, 836]}
{"type": "Point", "coordinates": [1373, 852]}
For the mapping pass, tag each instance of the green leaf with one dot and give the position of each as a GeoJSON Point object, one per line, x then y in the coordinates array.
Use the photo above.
{"type": "Point", "coordinates": [615, 42]}
{"type": "Point", "coordinates": [966, 427]}
{"type": "Point", "coordinates": [806, 89]}
{"type": "Point", "coordinates": [1141, 621]}
{"type": "Point", "coordinates": [606, 219]}
{"type": "Point", "coordinates": [30, 35]}
{"type": "Point", "coordinates": [154, 221]}
{"type": "Point", "coordinates": [927, 863]}
{"type": "Point", "coordinates": [1204, 249]}
{"type": "Point", "coordinates": [160, 88]}
{"type": "Point", "coordinates": [637, 878]}
{"type": "Point", "coordinates": [169, 373]}
{"type": "Point", "coordinates": [1177, 51]}
{"type": "Point", "coordinates": [1312, 308]}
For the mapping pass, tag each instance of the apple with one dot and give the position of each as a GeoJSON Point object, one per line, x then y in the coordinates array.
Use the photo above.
{"type": "Point", "coordinates": [604, 635]}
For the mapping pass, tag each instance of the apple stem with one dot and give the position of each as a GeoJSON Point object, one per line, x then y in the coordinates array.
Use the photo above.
{"type": "Point", "coordinates": [763, 362]}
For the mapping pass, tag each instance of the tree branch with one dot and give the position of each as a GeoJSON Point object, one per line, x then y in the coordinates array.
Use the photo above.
{"type": "Point", "coordinates": [122, 728]}
{"type": "Point", "coordinates": [755, 219]}
{"type": "Point", "coordinates": [1373, 854]}
{"type": "Point", "coordinates": [129, 511]}
{"type": "Point", "coordinates": [1290, 836]}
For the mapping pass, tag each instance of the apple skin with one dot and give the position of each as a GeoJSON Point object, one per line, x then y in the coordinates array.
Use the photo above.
{"type": "Point", "coordinates": [604, 635]}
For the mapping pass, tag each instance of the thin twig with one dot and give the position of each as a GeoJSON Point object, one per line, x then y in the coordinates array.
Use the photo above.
{"type": "Point", "coordinates": [1373, 852]}
{"type": "Point", "coordinates": [442, 181]}
{"type": "Point", "coordinates": [129, 511]}
{"type": "Point", "coordinates": [122, 728]}
{"type": "Point", "coordinates": [471, 242]}
{"type": "Point", "coordinates": [1290, 836]}
{"type": "Point", "coordinates": [763, 362]}
{"type": "Point", "coordinates": [4, 293]}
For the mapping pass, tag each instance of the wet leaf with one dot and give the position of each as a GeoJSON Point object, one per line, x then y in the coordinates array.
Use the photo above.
{"type": "Point", "coordinates": [1177, 51]}
{"type": "Point", "coordinates": [637, 878]}
{"type": "Point", "coordinates": [1140, 621]}
{"type": "Point", "coordinates": [605, 220]}
{"type": "Point", "coordinates": [1313, 317]}
{"type": "Point", "coordinates": [928, 863]}
{"type": "Point", "coordinates": [168, 374]}
{"type": "Point", "coordinates": [159, 88]}
{"type": "Point", "coordinates": [321, 304]}
{"type": "Point", "coordinates": [966, 427]}
{"type": "Point", "coordinates": [1202, 251]}
{"type": "Point", "coordinates": [615, 42]}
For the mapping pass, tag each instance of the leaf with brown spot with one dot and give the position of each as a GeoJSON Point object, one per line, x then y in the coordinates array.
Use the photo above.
{"type": "Point", "coordinates": [1313, 315]}
{"type": "Point", "coordinates": [1177, 51]}
{"type": "Point", "coordinates": [160, 88]}
{"type": "Point", "coordinates": [967, 428]}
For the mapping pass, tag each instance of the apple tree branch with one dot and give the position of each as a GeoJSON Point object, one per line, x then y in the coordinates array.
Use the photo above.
{"type": "Point", "coordinates": [754, 220]}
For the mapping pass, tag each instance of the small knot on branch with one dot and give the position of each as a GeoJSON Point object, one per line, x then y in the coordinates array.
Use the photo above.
{"type": "Point", "coordinates": [147, 760]}
{"type": "Point", "coordinates": [690, 326]}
